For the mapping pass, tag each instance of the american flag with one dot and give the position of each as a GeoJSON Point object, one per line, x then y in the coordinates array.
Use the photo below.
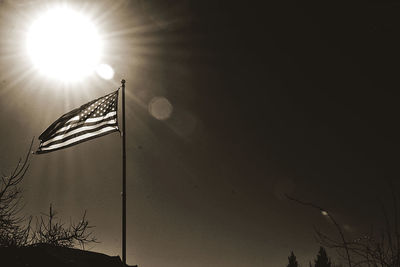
{"type": "Point", "coordinates": [91, 120]}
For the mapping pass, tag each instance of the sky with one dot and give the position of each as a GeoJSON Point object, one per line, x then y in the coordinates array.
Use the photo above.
{"type": "Point", "coordinates": [229, 107]}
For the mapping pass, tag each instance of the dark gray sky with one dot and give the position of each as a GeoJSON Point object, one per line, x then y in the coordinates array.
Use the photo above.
{"type": "Point", "coordinates": [267, 99]}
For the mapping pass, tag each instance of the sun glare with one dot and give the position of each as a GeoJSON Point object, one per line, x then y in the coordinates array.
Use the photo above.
{"type": "Point", "coordinates": [64, 44]}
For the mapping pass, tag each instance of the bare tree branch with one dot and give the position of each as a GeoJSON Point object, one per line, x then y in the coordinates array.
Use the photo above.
{"type": "Point", "coordinates": [375, 249]}
{"type": "Point", "coordinates": [338, 228]}
{"type": "Point", "coordinates": [49, 230]}
{"type": "Point", "coordinates": [12, 233]}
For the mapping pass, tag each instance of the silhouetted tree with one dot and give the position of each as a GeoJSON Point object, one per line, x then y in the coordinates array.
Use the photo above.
{"type": "Point", "coordinates": [292, 260]}
{"type": "Point", "coordinates": [321, 237]}
{"type": "Point", "coordinates": [373, 249]}
{"type": "Point", "coordinates": [16, 230]}
{"type": "Point", "coordinates": [377, 249]}
{"type": "Point", "coordinates": [12, 230]}
{"type": "Point", "coordinates": [322, 259]}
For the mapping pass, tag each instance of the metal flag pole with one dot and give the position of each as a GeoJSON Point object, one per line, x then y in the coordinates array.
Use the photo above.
{"type": "Point", "coordinates": [123, 175]}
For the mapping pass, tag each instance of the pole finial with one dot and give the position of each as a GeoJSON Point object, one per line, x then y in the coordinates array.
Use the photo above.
{"type": "Point", "coordinates": [123, 81]}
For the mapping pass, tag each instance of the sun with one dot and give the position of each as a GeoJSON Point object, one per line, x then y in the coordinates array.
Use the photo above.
{"type": "Point", "coordinates": [64, 44]}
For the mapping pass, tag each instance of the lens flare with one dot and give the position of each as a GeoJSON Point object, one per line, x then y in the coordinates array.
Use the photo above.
{"type": "Point", "coordinates": [64, 44]}
{"type": "Point", "coordinates": [160, 108]}
{"type": "Point", "coordinates": [105, 71]}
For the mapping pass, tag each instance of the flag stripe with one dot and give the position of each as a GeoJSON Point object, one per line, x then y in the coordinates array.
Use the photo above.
{"type": "Point", "coordinates": [78, 140]}
{"type": "Point", "coordinates": [72, 122]}
{"type": "Point", "coordinates": [112, 113]}
{"type": "Point", "coordinates": [73, 119]}
{"type": "Point", "coordinates": [79, 134]}
{"type": "Point", "coordinates": [75, 131]}
{"type": "Point", "coordinates": [82, 124]}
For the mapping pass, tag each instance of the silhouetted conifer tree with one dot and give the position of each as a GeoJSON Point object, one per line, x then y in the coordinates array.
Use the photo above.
{"type": "Point", "coordinates": [322, 259]}
{"type": "Point", "coordinates": [292, 261]}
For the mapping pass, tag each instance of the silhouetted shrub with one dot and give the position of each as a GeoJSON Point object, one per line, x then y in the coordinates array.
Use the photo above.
{"type": "Point", "coordinates": [51, 231]}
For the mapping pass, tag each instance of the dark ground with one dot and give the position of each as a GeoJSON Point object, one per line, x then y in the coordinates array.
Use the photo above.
{"type": "Point", "coordinates": [47, 255]}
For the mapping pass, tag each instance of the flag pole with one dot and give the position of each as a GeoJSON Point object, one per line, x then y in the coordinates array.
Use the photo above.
{"type": "Point", "coordinates": [123, 175]}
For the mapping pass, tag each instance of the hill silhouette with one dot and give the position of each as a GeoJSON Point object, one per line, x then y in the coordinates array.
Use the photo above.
{"type": "Point", "coordinates": [48, 255]}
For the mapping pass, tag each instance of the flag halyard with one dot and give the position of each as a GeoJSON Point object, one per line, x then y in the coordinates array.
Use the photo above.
{"type": "Point", "coordinates": [93, 119]}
